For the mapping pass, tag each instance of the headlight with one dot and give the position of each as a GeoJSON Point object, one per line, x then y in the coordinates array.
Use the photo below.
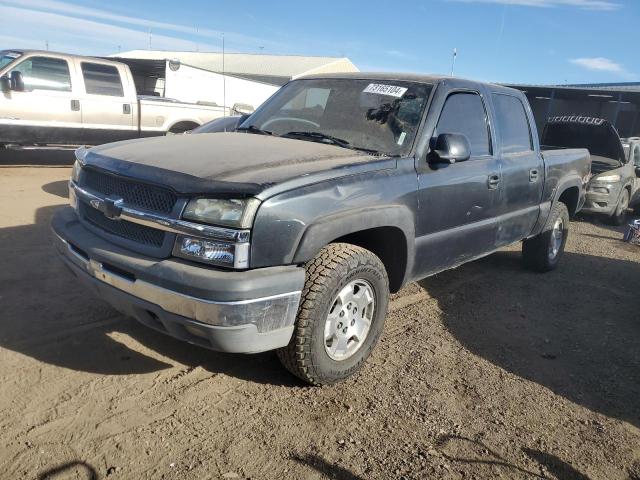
{"type": "Point", "coordinates": [608, 178]}
{"type": "Point", "coordinates": [230, 213]}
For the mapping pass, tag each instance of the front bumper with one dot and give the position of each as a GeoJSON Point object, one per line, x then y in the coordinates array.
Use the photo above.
{"type": "Point", "coordinates": [602, 198]}
{"type": "Point", "coordinates": [242, 312]}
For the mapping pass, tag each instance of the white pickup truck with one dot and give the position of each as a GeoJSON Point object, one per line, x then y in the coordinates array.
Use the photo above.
{"type": "Point", "coordinates": [57, 99]}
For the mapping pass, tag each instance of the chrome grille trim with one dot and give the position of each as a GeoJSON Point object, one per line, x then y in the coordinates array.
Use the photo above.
{"type": "Point", "coordinates": [164, 223]}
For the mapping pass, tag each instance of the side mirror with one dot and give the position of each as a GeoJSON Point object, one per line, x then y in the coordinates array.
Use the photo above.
{"type": "Point", "coordinates": [5, 83]}
{"type": "Point", "coordinates": [637, 171]}
{"type": "Point", "coordinates": [450, 148]}
{"type": "Point", "coordinates": [16, 81]}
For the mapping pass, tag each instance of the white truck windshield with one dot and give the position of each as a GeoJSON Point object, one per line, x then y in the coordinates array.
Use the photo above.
{"type": "Point", "coordinates": [7, 57]}
{"type": "Point", "coordinates": [374, 115]}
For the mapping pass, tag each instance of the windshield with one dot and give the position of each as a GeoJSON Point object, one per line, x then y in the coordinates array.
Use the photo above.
{"type": "Point", "coordinates": [373, 115]}
{"type": "Point", "coordinates": [7, 57]}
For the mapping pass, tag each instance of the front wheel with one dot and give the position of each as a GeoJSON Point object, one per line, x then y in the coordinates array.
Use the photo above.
{"type": "Point", "coordinates": [543, 252]}
{"type": "Point", "coordinates": [619, 216]}
{"type": "Point", "coordinates": [341, 315]}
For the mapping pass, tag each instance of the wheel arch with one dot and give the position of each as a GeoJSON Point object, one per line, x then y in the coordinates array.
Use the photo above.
{"type": "Point", "coordinates": [182, 126]}
{"type": "Point", "coordinates": [387, 232]}
{"type": "Point", "coordinates": [570, 196]}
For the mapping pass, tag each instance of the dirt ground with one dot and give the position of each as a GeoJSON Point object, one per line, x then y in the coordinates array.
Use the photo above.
{"type": "Point", "coordinates": [487, 371]}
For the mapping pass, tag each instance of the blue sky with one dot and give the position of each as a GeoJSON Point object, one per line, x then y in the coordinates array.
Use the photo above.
{"type": "Point", "coordinates": [527, 41]}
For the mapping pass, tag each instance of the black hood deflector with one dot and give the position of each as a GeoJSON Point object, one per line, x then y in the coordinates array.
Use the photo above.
{"type": "Point", "coordinates": [181, 183]}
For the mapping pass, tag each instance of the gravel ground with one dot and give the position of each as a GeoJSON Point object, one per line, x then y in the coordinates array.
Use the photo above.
{"type": "Point", "coordinates": [486, 371]}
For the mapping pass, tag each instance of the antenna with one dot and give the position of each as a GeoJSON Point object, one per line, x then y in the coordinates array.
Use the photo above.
{"type": "Point", "coordinates": [224, 83]}
{"type": "Point", "coordinates": [150, 37]}
{"type": "Point", "coordinates": [453, 60]}
{"type": "Point", "coordinates": [46, 45]}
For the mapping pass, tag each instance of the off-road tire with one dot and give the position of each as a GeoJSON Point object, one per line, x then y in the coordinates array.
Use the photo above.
{"type": "Point", "coordinates": [535, 250]}
{"type": "Point", "coordinates": [620, 214]}
{"type": "Point", "coordinates": [334, 267]}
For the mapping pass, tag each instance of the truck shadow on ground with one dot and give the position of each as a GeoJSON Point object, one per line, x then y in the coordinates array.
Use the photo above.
{"type": "Point", "coordinates": [575, 331]}
{"type": "Point", "coordinates": [49, 316]}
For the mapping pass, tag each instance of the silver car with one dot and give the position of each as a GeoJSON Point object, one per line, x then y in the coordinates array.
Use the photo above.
{"type": "Point", "coordinates": [615, 183]}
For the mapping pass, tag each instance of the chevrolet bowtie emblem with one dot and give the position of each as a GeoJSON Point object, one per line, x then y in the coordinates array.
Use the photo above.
{"type": "Point", "coordinates": [111, 207]}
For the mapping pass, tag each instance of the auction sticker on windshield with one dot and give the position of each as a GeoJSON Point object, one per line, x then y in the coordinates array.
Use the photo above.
{"type": "Point", "coordinates": [380, 89]}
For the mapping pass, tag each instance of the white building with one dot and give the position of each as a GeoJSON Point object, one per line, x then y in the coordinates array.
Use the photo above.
{"type": "Point", "coordinates": [238, 78]}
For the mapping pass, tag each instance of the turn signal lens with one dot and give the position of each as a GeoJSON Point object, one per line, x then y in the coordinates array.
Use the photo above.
{"type": "Point", "coordinates": [214, 252]}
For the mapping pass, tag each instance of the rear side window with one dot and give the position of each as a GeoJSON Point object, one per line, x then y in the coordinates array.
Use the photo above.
{"type": "Point", "coordinates": [464, 113]}
{"type": "Point", "coordinates": [102, 80]}
{"type": "Point", "coordinates": [513, 124]}
{"type": "Point", "coordinates": [45, 73]}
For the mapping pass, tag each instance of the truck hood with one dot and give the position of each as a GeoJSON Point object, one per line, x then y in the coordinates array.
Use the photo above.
{"type": "Point", "coordinates": [229, 163]}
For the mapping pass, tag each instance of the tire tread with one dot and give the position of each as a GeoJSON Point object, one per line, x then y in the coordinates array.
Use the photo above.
{"type": "Point", "coordinates": [296, 356]}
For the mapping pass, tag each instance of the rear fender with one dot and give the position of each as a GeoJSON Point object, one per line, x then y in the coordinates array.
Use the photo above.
{"type": "Point", "coordinates": [548, 203]}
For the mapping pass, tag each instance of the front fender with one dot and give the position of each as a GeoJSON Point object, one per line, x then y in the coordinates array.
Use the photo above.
{"type": "Point", "coordinates": [333, 227]}
{"type": "Point", "coordinates": [292, 227]}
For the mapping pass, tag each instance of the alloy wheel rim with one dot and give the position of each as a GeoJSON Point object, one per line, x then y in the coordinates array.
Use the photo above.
{"type": "Point", "coordinates": [624, 203]}
{"type": "Point", "coordinates": [349, 319]}
{"type": "Point", "coordinates": [557, 235]}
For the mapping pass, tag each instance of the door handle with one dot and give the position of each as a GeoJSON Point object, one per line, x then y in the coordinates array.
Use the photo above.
{"type": "Point", "coordinates": [126, 108]}
{"type": "Point", "coordinates": [493, 181]}
{"type": "Point", "coordinates": [533, 175]}
{"type": "Point", "coordinates": [75, 105]}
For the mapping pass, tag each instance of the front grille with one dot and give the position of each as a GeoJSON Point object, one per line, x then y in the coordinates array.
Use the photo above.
{"type": "Point", "coordinates": [149, 197]}
{"type": "Point", "coordinates": [121, 228]}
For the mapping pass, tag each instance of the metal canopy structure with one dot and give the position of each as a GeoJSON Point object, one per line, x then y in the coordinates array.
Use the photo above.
{"type": "Point", "coordinates": [617, 103]}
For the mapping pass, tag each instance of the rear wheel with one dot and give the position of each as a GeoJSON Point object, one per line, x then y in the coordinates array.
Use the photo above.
{"type": "Point", "coordinates": [619, 216]}
{"type": "Point", "coordinates": [543, 252]}
{"type": "Point", "coordinates": [341, 315]}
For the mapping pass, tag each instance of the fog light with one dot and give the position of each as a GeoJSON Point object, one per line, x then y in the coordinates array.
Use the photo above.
{"type": "Point", "coordinates": [234, 255]}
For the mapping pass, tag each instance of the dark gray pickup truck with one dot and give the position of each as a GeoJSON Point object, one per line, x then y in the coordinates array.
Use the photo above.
{"type": "Point", "coordinates": [290, 232]}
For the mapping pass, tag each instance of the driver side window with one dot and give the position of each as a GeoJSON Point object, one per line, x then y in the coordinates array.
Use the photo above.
{"type": "Point", "coordinates": [464, 113]}
{"type": "Point", "coordinates": [45, 73]}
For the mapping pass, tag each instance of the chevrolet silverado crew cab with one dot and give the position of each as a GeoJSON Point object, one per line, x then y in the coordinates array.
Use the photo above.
{"type": "Point", "coordinates": [289, 233]}
{"type": "Point", "coordinates": [52, 98]}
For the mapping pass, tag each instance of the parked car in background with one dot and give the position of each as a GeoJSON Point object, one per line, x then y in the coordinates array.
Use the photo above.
{"type": "Point", "coordinates": [53, 98]}
{"type": "Point", "coordinates": [291, 232]}
{"type": "Point", "coordinates": [615, 184]}
{"type": "Point", "coordinates": [225, 124]}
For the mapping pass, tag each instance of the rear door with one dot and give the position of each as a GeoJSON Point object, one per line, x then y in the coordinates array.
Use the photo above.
{"type": "Point", "coordinates": [46, 111]}
{"type": "Point", "coordinates": [522, 169]}
{"type": "Point", "coordinates": [107, 102]}
{"type": "Point", "coordinates": [457, 202]}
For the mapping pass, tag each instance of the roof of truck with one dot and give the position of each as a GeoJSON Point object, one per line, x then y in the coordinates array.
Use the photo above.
{"type": "Point", "coordinates": [409, 77]}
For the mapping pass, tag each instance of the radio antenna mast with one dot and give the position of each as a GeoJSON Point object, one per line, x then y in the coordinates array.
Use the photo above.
{"type": "Point", "coordinates": [453, 60]}
{"type": "Point", "coordinates": [224, 83]}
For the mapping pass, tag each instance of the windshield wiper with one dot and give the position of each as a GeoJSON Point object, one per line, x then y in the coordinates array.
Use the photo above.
{"type": "Point", "coordinates": [317, 136]}
{"type": "Point", "coordinates": [320, 137]}
{"type": "Point", "coordinates": [254, 129]}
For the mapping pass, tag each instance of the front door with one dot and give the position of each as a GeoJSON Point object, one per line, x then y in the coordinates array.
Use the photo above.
{"type": "Point", "coordinates": [107, 109]}
{"type": "Point", "coordinates": [457, 202]}
{"type": "Point", "coordinates": [46, 111]}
